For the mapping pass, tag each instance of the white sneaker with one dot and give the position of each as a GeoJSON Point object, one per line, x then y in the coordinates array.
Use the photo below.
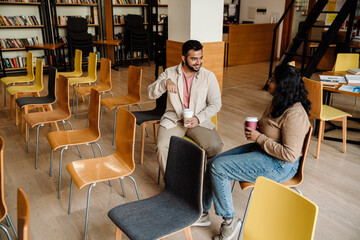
{"type": "Point", "coordinates": [227, 232]}
{"type": "Point", "coordinates": [204, 221]}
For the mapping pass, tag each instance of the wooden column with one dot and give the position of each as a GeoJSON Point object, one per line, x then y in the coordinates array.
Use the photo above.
{"type": "Point", "coordinates": [109, 28]}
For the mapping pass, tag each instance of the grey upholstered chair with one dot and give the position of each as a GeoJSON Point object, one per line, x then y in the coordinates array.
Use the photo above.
{"type": "Point", "coordinates": [176, 208]}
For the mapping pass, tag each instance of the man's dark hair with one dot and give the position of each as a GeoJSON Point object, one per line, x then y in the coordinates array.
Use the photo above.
{"type": "Point", "coordinates": [191, 45]}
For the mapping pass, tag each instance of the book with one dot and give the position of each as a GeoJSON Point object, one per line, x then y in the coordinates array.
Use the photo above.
{"type": "Point", "coordinates": [349, 88]}
{"type": "Point", "coordinates": [332, 80]}
{"type": "Point", "coordinates": [353, 79]}
{"type": "Point", "coordinates": [355, 71]}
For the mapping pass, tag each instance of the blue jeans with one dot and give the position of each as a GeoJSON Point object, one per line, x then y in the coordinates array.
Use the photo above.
{"type": "Point", "coordinates": [243, 163]}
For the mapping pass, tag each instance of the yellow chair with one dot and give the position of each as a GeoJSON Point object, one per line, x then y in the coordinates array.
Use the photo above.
{"type": "Point", "coordinates": [133, 97]}
{"type": "Point", "coordinates": [34, 90]}
{"type": "Point", "coordinates": [89, 79]}
{"type": "Point", "coordinates": [21, 79]}
{"type": "Point", "coordinates": [77, 66]}
{"type": "Point", "coordinates": [277, 212]}
{"type": "Point", "coordinates": [104, 85]}
{"type": "Point", "coordinates": [346, 61]}
{"type": "Point", "coordinates": [323, 112]}
{"type": "Point", "coordinates": [116, 166]}
{"type": "Point", "coordinates": [88, 135]}
{"type": "Point", "coordinates": [23, 215]}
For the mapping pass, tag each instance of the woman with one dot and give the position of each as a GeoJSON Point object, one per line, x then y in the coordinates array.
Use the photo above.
{"type": "Point", "coordinates": [274, 153]}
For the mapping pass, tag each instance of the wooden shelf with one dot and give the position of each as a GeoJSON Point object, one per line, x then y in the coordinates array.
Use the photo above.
{"type": "Point", "coordinates": [23, 26]}
{"type": "Point", "coordinates": [76, 4]}
{"type": "Point", "coordinates": [19, 3]}
{"type": "Point", "coordinates": [13, 49]}
{"type": "Point", "coordinates": [130, 5]}
{"type": "Point", "coordinates": [89, 25]}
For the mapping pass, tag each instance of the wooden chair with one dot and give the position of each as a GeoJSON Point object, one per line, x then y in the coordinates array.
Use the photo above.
{"type": "Point", "coordinates": [104, 85]}
{"type": "Point", "coordinates": [322, 112]}
{"type": "Point", "coordinates": [25, 103]}
{"type": "Point", "coordinates": [88, 135]}
{"type": "Point", "coordinates": [23, 215]}
{"type": "Point", "coordinates": [77, 67]}
{"type": "Point", "coordinates": [295, 181]}
{"type": "Point", "coordinates": [175, 209]}
{"type": "Point", "coordinates": [89, 79]}
{"type": "Point", "coordinates": [118, 165]}
{"type": "Point", "coordinates": [34, 90]}
{"type": "Point", "coordinates": [3, 207]}
{"type": "Point", "coordinates": [133, 96]}
{"type": "Point", "coordinates": [346, 61]}
{"type": "Point", "coordinates": [278, 213]}
{"type": "Point", "coordinates": [62, 113]}
{"type": "Point", "coordinates": [21, 79]}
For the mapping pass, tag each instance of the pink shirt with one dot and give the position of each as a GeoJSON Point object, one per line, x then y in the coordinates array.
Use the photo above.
{"type": "Point", "coordinates": [187, 88]}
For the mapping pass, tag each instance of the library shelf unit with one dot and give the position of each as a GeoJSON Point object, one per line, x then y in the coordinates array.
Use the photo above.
{"type": "Point", "coordinates": [11, 13]}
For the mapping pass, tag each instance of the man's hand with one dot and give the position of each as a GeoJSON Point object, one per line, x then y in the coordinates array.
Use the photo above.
{"type": "Point", "coordinates": [192, 122]}
{"type": "Point", "coordinates": [251, 134]}
{"type": "Point", "coordinates": [171, 86]}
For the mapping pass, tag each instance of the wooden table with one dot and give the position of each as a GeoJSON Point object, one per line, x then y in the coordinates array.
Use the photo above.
{"type": "Point", "coordinates": [52, 48]}
{"type": "Point", "coordinates": [327, 101]}
{"type": "Point", "coordinates": [115, 43]}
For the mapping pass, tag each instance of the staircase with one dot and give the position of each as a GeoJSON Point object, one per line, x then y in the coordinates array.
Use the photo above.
{"type": "Point", "coordinates": [302, 37]}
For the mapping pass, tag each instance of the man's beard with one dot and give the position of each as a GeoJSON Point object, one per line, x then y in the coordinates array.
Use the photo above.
{"type": "Point", "coordinates": [190, 67]}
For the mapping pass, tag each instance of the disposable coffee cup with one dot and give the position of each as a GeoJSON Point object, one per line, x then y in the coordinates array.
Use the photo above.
{"type": "Point", "coordinates": [251, 122]}
{"type": "Point", "coordinates": [188, 113]}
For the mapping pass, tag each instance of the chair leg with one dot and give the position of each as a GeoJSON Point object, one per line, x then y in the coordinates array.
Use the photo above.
{"type": "Point", "coordinates": [37, 144]}
{"type": "Point", "coordinates": [344, 127]}
{"type": "Point", "coordinates": [143, 127]}
{"type": "Point", "coordinates": [60, 168]}
{"type": "Point", "coordinates": [51, 162]}
{"type": "Point", "coordinates": [27, 138]}
{"type": "Point", "coordinates": [187, 232]}
{"type": "Point", "coordinates": [87, 210]}
{"type": "Point", "coordinates": [12, 103]}
{"type": "Point", "coordinates": [70, 195]}
{"type": "Point", "coordinates": [135, 186]}
{"type": "Point", "coordinates": [245, 213]}
{"type": "Point", "coordinates": [11, 224]}
{"type": "Point", "coordinates": [155, 133]}
{"type": "Point", "coordinates": [118, 234]}
{"type": "Point", "coordinates": [115, 115]}
{"type": "Point", "coordinates": [297, 190]}
{"type": "Point", "coordinates": [7, 231]}
{"type": "Point", "coordinates": [77, 104]}
{"type": "Point", "coordinates": [321, 132]}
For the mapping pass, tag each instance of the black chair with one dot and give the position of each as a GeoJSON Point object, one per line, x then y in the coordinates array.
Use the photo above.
{"type": "Point", "coordinates": [23, 102]}
{"type": "Point", "coordinates": [176, 208]}
{"type": "Point", "coordinates": [136, 37]}
{"type": "Point", "coordinates": [78, 37]}
{"type": "Point", "coordinates": [145, 118]}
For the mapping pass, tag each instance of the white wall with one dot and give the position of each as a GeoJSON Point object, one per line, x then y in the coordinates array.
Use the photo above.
{"type": "Point", "coordinates": [195, 19]}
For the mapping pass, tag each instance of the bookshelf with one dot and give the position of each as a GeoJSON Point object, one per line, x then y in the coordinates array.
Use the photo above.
{"type": "Point", "coordinates": [21, 23]}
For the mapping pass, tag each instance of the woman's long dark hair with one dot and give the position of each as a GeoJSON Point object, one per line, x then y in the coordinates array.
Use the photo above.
{"type": "Point", "coordinates": [289, 90]}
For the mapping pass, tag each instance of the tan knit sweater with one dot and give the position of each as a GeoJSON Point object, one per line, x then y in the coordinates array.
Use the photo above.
{"type": "Point", "coordinates": [283, 137]}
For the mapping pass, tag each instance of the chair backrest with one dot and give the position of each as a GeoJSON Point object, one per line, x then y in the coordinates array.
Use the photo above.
{"type": "Point", "coordinates": [315, 96]}
{"type": "Point", "coordinates": [63, 94]}
{"type": "Point", "coordinates": [105, 74]}
{"type": "Point", "coordinates": [77, 25]}
{"type": "Point", "coordinates": [30, 65]}
{"type": "Point", "coordinates": [3, 207]}
{"type": "Point", "coordinates": [299, 176]}
{"type": "Point", "coordinates": [94, 111]}
{"type": "Point", "coordinates": [277, 212]}
{"type": "Point", "coordinates": [52, 83]}
{"type": "Point", "coordinates": [23, 215]}
{"type": "Point", "coordinates": [184, 172]}
{"type": "Point", "coordinates": [78, 61]}
{"type": "Point", "coordinates": [92, 65]}
{"type": "Point", "coordinates": [39, 74]}
{"type": "Point", "coordinates": [346, 61]}
{"type": "Point", "coordinates": [134, 22]}
{"type": "Point", "coordinates": [134, 82]}
{"type": "Point", "coordinates": [125, 137]}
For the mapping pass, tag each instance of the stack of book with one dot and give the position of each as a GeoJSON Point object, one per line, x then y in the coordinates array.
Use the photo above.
{"type": "Point", "coordinates": [355, 71]}
{"type": "Point", "coordinates": [19, 21]}
{"type": "Point", "coordinates": [353, 79]}
{"type": "Point", "coordinates": [331, 80]}
{"type": "Point", "coordinates": [18, 42]}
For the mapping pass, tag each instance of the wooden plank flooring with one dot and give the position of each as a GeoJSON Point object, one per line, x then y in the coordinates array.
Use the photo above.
{"type": "Point", "coordinates": [333, 181]}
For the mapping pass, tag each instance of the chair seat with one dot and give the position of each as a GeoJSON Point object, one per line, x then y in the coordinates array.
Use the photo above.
{"type": "Point", "coordinates": [85, 172]}
{"type": "Point", "coordinates": [25, 89]}
{"type": "Point", "coordinates": [112, 103]}
{"type": "Point", "coordinates": [329, 113]}
{"type": "Point", "coordinates": [59, 139]}
{"type": "Point", "coordinates": [69, 74]}
{"type": "Point", "coordinates": [146, 116]}
{"type": "Point", "coordinates": [22, 101]}
{"type": "Point", "coordinates": [79, 80]}
{"type": "Point", "coordinates": [35, 118]}
{"type": "Point", "coordinates": [84, 91]}
{"type": "Point", "coordinates": [165, 209]}
{"type": "Point", "coordinates": [18, 79]}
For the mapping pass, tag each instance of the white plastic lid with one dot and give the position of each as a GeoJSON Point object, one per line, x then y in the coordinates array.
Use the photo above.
{"type": "Point", "coordinates": [251, 119]}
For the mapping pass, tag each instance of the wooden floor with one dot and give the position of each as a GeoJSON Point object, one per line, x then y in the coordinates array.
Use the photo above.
{"type": "Point", "coordinates": [332, 182]}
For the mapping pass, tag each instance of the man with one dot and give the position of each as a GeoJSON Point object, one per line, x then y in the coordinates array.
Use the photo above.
{"type": "Point", "coordinates": [189, 87]}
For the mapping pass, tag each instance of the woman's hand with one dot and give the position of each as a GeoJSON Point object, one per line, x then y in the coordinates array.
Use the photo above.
{"type": "Point", "coordinates": [251, 134]}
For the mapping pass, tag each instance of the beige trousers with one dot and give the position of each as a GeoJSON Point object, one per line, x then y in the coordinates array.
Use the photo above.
{"type": "Point", "coordinates": [207, 139]}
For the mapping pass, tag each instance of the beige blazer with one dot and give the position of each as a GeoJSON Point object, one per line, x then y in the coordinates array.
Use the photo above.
{"type": "Point", "coordinates": [205, 97]}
